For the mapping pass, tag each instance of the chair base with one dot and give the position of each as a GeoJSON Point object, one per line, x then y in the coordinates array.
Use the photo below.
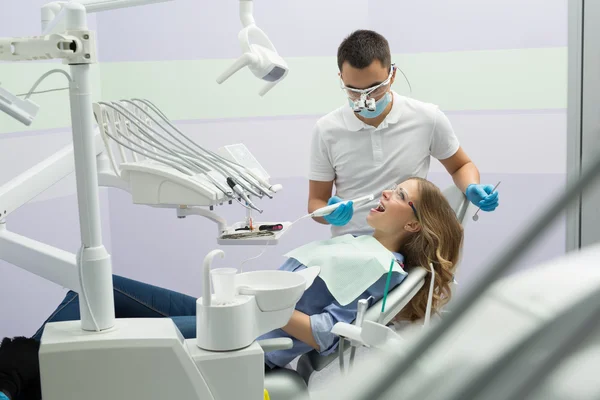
{"type": "Point", "coordinates": [284, 384]}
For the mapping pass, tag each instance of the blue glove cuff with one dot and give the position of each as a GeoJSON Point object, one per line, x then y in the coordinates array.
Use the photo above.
{"type": "Point", "coordinates": [3, 396]}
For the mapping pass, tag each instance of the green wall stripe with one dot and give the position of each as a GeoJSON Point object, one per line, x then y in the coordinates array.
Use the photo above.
{"type": "Point", "coordinates": [522, 79]}
{"type": "Point", "coordinates": [482, 80]}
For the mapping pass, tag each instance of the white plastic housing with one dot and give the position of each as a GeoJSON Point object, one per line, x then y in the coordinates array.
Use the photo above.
{"type": "Point", "coordinates": [153, 183]}
{"type": "Point", "coordinates": [23, 111]}
{"type": "Point", "coordinates": [274, 290]}
{"type": "Point", "coordinates": [260, 56]}
{"type": "Point", "coordinates": [348, 331]}
{"type": "Point", "coordinates": [370, 334]}
{"type": "Point", "coordinates": [245, 367]}
{"type": "Point", "coordinates": [266, 302]}
{"type": "Point", "coordinates": [138, 359]}
{"type": "Point", "coordinates": [235, 326]}
{"type": "Point", "coordinates": [240, 154]}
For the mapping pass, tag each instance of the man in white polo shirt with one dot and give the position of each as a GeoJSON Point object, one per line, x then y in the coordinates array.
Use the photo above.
{"type": "Point", "coordinates": [380, 138]}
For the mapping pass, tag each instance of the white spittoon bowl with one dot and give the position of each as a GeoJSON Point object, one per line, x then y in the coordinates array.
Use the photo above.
{"type": "Point", "coordinates": [273, 290]}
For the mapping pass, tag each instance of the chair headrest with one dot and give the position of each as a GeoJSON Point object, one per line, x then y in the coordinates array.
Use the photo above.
{"type": "Point", "coordinates": [459, 202]}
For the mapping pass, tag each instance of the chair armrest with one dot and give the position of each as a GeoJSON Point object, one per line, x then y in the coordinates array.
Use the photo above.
{"type": "Point", "coordinates": [396, 301]}
{"type": "Point", "coordinates": [399, 297]}
{"type": "Point", "coordinates": [348, 331]}
{"type": "Point", "coordinates": [320, 362]}
{"type": "Point", "coordinates": [269, 345]}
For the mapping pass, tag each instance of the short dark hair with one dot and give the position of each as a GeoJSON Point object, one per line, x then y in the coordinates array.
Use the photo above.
{"type": "Point", "coordinates": [362, 47]}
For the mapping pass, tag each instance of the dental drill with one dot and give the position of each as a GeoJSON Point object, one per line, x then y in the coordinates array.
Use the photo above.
{"type": "Point", "coordinates": [166, 145]}
{"type": "Point", "coordinates": [323, 211]}
{"type": "Point", "coordinates": [233, 183]}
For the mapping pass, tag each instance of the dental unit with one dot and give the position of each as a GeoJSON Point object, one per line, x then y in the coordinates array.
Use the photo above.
{"type": "Point", "coordinates": [137, 149]}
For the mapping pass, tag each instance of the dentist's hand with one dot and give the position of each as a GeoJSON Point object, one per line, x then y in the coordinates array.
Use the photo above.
{"type": "Point", "coordinates": [482, 196]}
{"type": "Point", "coordinates": [342, 215]}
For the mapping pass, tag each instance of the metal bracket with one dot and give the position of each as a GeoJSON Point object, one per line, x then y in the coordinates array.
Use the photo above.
{"type": "Point", "coordinates": [184, 211]}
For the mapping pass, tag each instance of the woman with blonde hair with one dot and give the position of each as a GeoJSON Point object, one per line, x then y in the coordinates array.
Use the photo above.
{"type": "Point", "coordinates": [439, 242]}
{"type": "Point", "coordinates": [413, 222]}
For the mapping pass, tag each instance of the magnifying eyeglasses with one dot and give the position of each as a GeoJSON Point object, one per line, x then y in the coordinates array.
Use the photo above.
{"type": "Point", "coordinates": [365, 98]}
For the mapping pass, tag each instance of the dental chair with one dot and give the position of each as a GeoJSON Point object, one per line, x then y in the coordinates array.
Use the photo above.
{"type": "Point", "coordinates": [286, 383]}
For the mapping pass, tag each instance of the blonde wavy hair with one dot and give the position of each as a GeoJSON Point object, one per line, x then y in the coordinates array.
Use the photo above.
{"type": "Point", "coordinates": [439, 242]}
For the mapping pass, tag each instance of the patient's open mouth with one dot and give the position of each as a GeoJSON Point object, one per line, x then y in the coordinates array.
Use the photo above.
{"type": "Point", "coordinates": [380, 208]}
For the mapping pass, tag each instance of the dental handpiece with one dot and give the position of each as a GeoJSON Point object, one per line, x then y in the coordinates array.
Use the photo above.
{"type": "Point", "coordinates": [236, 188]}
{"type": "Point", "coordinates": [361, 310]}
{"type": "Point", "coordinates": [323, 211]}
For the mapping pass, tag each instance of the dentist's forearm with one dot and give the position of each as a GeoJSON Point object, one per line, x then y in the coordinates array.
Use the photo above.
{"type": "Point", "coordinates": [299, 327]}
{"type": "Point", "coordinates": [466, 175]}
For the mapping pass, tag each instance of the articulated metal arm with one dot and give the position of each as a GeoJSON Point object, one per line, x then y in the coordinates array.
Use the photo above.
{"type": "Point", "coordinates": [72, 47]}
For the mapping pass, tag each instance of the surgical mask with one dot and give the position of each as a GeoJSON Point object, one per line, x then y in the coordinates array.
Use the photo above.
{"type": "Point", "coordinates": [380, 106]}
{"type": "Point", "coordinates": [362, 100]}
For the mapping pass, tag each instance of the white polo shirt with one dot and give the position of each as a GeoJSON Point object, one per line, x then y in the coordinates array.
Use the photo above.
{"type": "Point", "coordinates": [362, 159]}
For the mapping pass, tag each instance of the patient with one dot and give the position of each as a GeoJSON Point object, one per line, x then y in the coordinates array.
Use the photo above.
{"type": "Point", "coordinates": [413, 221]}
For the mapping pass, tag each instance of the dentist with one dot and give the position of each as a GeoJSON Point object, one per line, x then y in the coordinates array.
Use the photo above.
{"type": "Point", "coordinates": [364, 151]}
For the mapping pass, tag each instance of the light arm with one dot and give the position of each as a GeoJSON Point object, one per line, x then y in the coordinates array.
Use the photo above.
{"type": "Point", "coordinates": [247, 13]}
{"type": "Point", "coordinates": [92, 6]}
{"type": "Point", "coordinates": [43, 260]}
{"type": "Point", "coordinates": [245, 60]}
{"type": "Point", "coordinates": [53, 13]}
{"type": "Point", "coordinates": [39, 178]}
{"type": "Point", "coordinates": [40, 259]}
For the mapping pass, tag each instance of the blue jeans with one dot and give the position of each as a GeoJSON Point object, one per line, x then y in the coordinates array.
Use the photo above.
{"type": "Point", "coordinates": [135, 299]}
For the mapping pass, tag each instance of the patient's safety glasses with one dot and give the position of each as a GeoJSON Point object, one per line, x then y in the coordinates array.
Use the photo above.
{"type": "Point", "coordinates": [374, 92]}
{"type": "Point", "coordinates": [401, 194]}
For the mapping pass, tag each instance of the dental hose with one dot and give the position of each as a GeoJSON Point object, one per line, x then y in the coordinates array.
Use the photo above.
{"type": "Point", "coordinates": [352, 354]}
{"type": "Point", "coordinates": [317, 213]}
{"type": "Point", "coordinates": [267, 244]}
{"type": "Point", "coordinates": [341, 354]}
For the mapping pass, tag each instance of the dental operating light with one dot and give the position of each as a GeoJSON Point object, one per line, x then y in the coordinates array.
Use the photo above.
{"type": "Point", "coordinates": [259, 53]}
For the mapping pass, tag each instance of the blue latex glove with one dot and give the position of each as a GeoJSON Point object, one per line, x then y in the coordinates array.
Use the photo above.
{"type": "Point", "coordinates": [3, 396]}
{"type": "Point", "coordinates": [342, 215]}
{"type": "Point", "coordinates": [482, 196]}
